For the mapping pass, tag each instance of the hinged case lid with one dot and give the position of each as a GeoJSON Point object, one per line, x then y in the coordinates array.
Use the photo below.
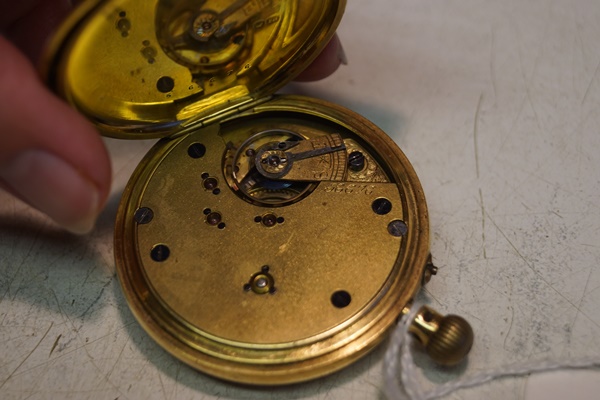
{"type": "Point", "coordinates": [151, 68]}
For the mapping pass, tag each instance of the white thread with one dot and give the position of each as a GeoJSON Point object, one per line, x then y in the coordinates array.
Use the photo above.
{"type": "Point", "coordinates": [399, 349]}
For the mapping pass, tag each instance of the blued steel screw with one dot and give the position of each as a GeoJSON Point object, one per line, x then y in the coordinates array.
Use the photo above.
{"type": "Point", "coordinates": [143, 215]}
{"type": "Point", "coordinates": [160, 253]}
{"type": "Point", "coordinates": [269, 220]}
{"type": "Point", "coordinates": [397, 228]}
{"type": "Point", "coordinates": [213, 218]}
{"type": "Point", "coordinates": [356, 161]}
{"type": "Point", "coordinates": [382, 206]}
{"type": "Point", "coordinates": [210, 183]}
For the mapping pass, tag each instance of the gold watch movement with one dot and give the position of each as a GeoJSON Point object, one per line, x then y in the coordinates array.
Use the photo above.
{"type": "Point", "coordinates": [264, 239]}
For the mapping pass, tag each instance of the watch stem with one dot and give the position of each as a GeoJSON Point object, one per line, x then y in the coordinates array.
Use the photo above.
{"type": "Point", "coordinates": [446, 339]}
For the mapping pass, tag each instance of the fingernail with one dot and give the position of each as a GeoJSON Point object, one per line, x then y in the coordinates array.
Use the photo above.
{"type": "Point", "coordinates": [342, 54]}
{"type": "Point", "coordinates": [54, 187]}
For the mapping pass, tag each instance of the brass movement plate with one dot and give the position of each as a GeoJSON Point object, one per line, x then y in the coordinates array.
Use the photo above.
{"type": "Point", "coordinates": [268, 280]}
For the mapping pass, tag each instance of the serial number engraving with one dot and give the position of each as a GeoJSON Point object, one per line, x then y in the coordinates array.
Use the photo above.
{"type": "Point", "coordinates": [350, 188]}
{"type": "Point", "coordinates": [265, 22]}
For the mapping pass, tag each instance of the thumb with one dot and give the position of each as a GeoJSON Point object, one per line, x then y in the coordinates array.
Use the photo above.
{"type": "Point", "coordinates": [50, 156]}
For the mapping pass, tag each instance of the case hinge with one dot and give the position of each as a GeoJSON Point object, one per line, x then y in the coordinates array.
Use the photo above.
{"type": "Point", "coordinates": [196, 123]}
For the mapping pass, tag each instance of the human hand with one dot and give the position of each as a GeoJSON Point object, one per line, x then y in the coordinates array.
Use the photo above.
{"type": "Point", "coordinates": [51, 156]}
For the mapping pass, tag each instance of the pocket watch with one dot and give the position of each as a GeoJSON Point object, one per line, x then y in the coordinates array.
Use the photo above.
{"type": "Point", "coordinates": [264, 239]}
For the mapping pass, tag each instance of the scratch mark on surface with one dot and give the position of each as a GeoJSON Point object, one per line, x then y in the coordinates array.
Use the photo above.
{"type": "Point", "coordinates": [473, 316]}
{"type": "Point", "coordinates": [142, 369]}
{"type": "Point", "coordinates": [93, 362]}
{"type": "Point", "coordinates": [66, 353]}
{"type": "Point", "coordinates": [20, 267]}
{"type": "Point", "coordinates": [512, 319]}
{"type": "Point", "coordinates": [487, 284]}
{"type": "Point", "coordinates": [83, 314]}
{"type": "Point", "coordinates": [478, 171]}
{"type": "Point", "coordinates": [475, 134]}
{"type": "Point", "coordinates": [555, 213]}
{"type": "Point", "coordinates": [162, 386]}
{"type": "Point", "coordinates": [91, 269]}
{"type": "Point", "coordinates": [176, 380]}
{"type": "Point", "coordinates": [424, 289]}
{"type": "Point", "coordinates": [54, 345]}
{"type": "Point", "coordinates": [482, 205]}
{"type": "Point", "coordinates": [528, 80]}
{"type": "Point", "coordinates": [540, 276]}
{"type": "Point", "coordinates": [535, 114]}
{"type": "Point", "coordinates": [587, 283]}
{"type": "Point", "coordinates": [28, 355]}
{"type": "Point", "coordinates": [524, 387]}
{"type": "Point", "coordinates": [589, 245]}
{"type": "Point", "coordinates": [589, 87]}
{"type": "Point", "coordinates": [84, 345]}
{"type": "Point", "coordinates": [114, 366]}
{"type": "Point", "coordinates": [283, 248]}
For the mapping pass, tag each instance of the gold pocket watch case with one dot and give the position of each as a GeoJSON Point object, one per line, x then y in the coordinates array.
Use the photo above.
{"type": "Point", "coordinates": [264, 239]}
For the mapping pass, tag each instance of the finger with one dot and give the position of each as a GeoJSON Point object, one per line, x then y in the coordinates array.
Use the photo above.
{"type": "Point", "coordinates": [50, 155]}
{"type": "Point", "coordinates": [327, 63]}
{"type": "Point", "coordinates": [13, 10]}
{"type": "Point", "coordinates": [31, 25]}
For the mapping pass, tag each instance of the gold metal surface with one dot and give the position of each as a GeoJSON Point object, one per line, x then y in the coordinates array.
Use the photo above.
{"type": "Point", "coordinates": [265, 239]}
{"type": "Point", "coordinates": [142, 69]}
{"type": "Point", "coordinates": [292, 280]}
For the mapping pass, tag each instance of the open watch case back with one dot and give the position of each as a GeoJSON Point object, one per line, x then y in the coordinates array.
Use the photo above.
{"type": "Point", "coordinates": [264, 239]}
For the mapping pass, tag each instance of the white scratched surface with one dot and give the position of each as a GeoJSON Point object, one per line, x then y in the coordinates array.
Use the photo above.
{"type": "Point", "coordinates": [497, 105]}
